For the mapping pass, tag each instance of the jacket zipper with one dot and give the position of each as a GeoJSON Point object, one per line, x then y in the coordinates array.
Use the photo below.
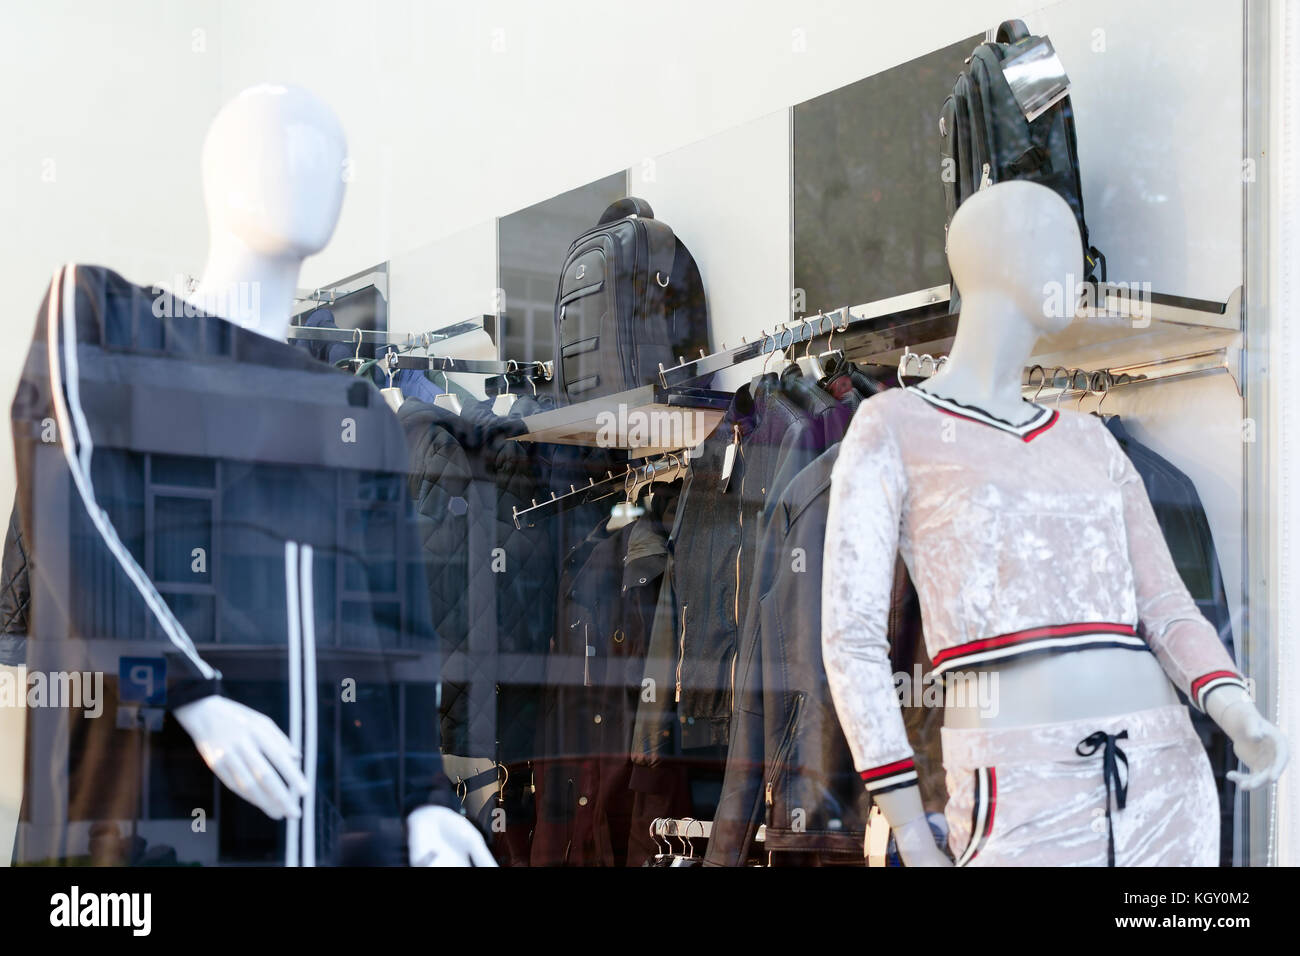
{"type": "Point", "coordinates": [681, 655]}
{"type": "Point", "coordinates": [778, 759]}
{"type": "Point", "coordinates": [734, 655]}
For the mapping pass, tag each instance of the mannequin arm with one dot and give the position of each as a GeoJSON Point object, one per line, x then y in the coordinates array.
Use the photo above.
{"type": "Point", "coordinates": [247, 752]}
{"type": "Point", "coordinates": [1260, 745]}
{"type": "Point", "coordinates": [868, 487]}
{"type": "Point", "coordinates": [906, 816]}
{"type": "Point", "coordinates": [440, 836]}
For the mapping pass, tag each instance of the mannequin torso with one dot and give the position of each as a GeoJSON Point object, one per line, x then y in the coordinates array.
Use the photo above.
{"type": "Point", "coordinates": [272, 165]}
{"type": "Point", "coordinates": [1012, 248]}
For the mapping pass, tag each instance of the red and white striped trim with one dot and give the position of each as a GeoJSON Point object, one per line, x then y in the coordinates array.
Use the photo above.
{"type": "Point", "coordinates": [1035, 640]}
{"type": "Point", "coordinates": [1042, 419]}
{"type": "Point", "coordinates": [1204, 685]}
{"type": "Point", "coordinates": [890, 776]}
{"type": "Point", "coordinates": [982, 812]}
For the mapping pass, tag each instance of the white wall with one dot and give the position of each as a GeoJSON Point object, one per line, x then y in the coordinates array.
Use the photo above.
{"type": "Point", "coordinates": [460, 111]}
{"type": "Point", "coordinates": [1157, 100]}
{"type": "Point", "coordinates": [728, 198]}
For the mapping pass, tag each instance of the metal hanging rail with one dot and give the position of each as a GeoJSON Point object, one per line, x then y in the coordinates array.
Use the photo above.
{"type": "Point", "coordinates": [694, 829]}
{"type": "Point", "coordinates": [1100, 381]}
{"type": "Point", "coordinates": [876, 316]}
{"type": "Point", "coordinates": [375, 278]}
{"type": "Point", "coordinates": [631, 481]}
{"type": "Point", "coordinates": [885, 326]}
{"type": "Point", "coordinates": [403, 339]}
{"type": "Point", "coordinates": [539, 371]}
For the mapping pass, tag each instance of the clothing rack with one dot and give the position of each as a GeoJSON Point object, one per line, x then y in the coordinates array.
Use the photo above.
{"type": "Point", "coordinates": [632, 481]}
{"type": "Point", "coordinates": [538, 371]}
{"type": "Point", "coordinates": [879, 329]}
{"type": "Point", "coordinates": [404, 339]}
{"type": "Point", "coordinates": [914, 305]}
{"type": "Point", "coordinates": [1064, 381]}
{"type": "Point", "coordinates": [375, 278]}
{"type": "Point", "coordinates": [688, 828]}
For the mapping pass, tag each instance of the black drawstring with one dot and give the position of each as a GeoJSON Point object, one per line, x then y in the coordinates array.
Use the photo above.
{"type": "Point", "coordinates": [1111, 758]}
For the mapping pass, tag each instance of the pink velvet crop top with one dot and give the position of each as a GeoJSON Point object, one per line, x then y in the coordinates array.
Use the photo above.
{"type": "Point", "coordinates": [1025, 537]}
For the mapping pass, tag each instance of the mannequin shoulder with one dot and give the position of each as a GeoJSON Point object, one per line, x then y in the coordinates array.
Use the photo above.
{"type": "Point", "coordinates": [877, 423]}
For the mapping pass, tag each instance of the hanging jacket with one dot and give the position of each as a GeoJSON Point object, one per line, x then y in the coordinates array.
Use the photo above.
{"type": "Point", "coordinates": [411, 382]}
{"type": "Point", "coordinates": [788, 765]}
{"type": "Point", "coordinates": [1186, 530]}
{"type": "Point", "coordinates": [491, 585]}
{"type": "Point", "coordinates": [608, 588]}
{"type": "Point", "coordinates": [208, 511]}
{"type": "Point", "coordinates": [1185, 527]}
{"type": "Point", "coordinates": [773, 428]}
{"type": "Point", "coordinates": [713, 546]}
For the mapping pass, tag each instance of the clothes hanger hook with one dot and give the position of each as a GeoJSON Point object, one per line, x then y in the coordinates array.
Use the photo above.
{"type": "Point", "coordinates": [1103, 383]}
{"type": "Point", "coordinates": [771, 353]}
{"type": "Point", "coordinates": [388, 364]}
{"type": "Point", "coordinates": [902, 365]}
{"type": "Point", "coordinates": [1029, 379]}
{"type": "Point", "coordinates": [814, 331]}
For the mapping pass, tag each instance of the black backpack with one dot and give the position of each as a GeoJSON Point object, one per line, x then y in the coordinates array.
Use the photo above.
{"type": "Point", "coordinates": [986, 139]}
{"type": "Point", "coordinates": [630, 298]}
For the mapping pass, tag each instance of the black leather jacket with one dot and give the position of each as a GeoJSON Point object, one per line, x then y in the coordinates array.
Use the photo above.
{"type": "Point", "coordinates": [788, 765]}
{"type": "Point", "coordinates": [693, 648]}
{"type": "Point", "coordinates": [608, 588]}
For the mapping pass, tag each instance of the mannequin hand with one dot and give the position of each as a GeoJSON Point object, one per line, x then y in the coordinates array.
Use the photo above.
{"type": "Point", "coordinates": [915, 842]}
{"type": "Point", "coordinates": [913, 837]}
{"type": "Point", "coordinates": [247, 752]}
{"type": "Point", "coordinates": [1261, 746]}
{"type": "Point", "coordinates": [439, 836]}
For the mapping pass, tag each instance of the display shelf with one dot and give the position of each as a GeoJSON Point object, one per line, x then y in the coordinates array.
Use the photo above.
{"type": "Point", "coordinates": [1159, 323]}
{"type": "Point", "coordinates": [649, 420]}
{"type": "Point", "coordinates": [653, 418]}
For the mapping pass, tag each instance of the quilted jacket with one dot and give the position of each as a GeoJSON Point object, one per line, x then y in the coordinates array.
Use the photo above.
{"type": "Point", "coordinates": [15, 596]}
{"type": "Point", "coordinates": [491, 585]}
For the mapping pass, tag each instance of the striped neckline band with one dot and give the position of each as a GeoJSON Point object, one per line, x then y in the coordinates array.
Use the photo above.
{"type": "Point", "coordinates": [1042, 419]}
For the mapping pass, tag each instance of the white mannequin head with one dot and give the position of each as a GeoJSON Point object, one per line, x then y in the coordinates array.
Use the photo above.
{"type": "Point", "coordinates": [272, 171]}
{"type": "Point", "coordinates": [273, 186]}
{"type": "Point", "coordinates": [1011, 242]}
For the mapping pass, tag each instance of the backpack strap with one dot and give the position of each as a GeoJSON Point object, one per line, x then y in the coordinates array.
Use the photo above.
{"type": "Point", "coordinates": [628, 206]}
{"type": "Point", "coordinates": [1011, 31]}
{"type": "Point", "coordinates": [663, 250]}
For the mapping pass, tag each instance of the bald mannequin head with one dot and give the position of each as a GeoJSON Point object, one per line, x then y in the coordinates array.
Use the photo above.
{"type": "Point", "coordinates": [1018, 242]}
{"type": "Point", "coordinates": [273, 171]}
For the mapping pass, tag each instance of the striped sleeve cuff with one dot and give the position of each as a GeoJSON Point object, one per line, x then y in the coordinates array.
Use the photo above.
{"type": "Point", "coordinates": [890, 776]}
{"type": "Point", "coordinates": [1206, 684]}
